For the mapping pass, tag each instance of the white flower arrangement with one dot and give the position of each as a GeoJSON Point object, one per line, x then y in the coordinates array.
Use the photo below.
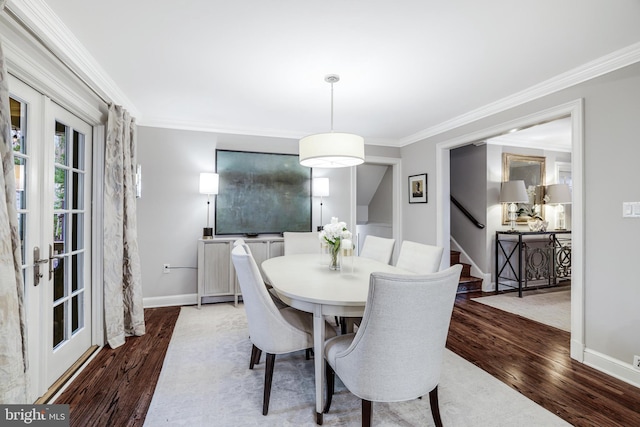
{"type": "Point", "coordinates": [532, 209]}
{"type": "Point", "coordinates": [336, 236]}
{"type": "Point", "coordinates": [333, 233]}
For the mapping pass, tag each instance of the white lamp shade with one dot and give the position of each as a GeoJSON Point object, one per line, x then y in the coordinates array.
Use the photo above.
{"type": "Point", "coordinates": [558, 194]}
{"type": "Point", "coordinates": [514, 192]}
{"type": "Point", "coordinates": [331, 150]}
{"type": "Point", "coordinates": [209, 183]}
{"type": "Point", "coordinates": [320, 187]}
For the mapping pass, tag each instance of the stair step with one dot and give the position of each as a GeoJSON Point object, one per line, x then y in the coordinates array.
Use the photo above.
{"type": "Point", "coordinates": [469, 284]}
{"type": "Point", "coordinates": [454, 257]}
{"type": "Point", "coordinates": [466, 269]}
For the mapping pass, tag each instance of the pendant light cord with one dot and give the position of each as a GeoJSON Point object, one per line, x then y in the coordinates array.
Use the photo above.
{"type": "Point", "coordinates": [332, 78]}
{"type": "Point", "coordinates": [331, 106]}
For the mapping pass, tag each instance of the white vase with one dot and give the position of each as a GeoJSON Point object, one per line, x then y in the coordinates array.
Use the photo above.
{"type": "Point", "coordinates": [536, 224]}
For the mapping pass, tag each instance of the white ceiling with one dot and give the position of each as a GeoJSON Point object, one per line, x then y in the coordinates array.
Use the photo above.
{"type": "Point", "coordinates": [257, 67]}
{"type": "Point", "coordinates": [555, 136]}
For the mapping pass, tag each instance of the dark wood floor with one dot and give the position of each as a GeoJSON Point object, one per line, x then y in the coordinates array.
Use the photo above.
{"type": "Point", "coordinates": [533, 359]}
{"type": "Point", "coordinates": [116, 388]}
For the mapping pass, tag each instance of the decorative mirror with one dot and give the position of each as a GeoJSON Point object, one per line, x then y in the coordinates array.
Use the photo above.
{"type": "Point", "coordinates": [530, 169]}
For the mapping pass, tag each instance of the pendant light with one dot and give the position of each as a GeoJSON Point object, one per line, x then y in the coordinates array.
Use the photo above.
{"type": "Point", "coordinates": [333, 149]}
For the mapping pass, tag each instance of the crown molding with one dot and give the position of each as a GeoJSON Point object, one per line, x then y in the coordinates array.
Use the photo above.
{"type": "Point", "coordinates": [603, 65]}
{"type": "Point", "coordinates": [41, 21]}
{"type": "Point", "coordinates": [166, 123]}
{"type": "Point", "coordinates": [38, 18]}
{"type": "Point", "coordinates": [170, 123]}
{"type": "Point", "coordinates": [23, 67]}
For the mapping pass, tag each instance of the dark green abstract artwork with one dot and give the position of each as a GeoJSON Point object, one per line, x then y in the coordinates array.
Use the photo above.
{"type": "Point", "coordinates": [262, 193]}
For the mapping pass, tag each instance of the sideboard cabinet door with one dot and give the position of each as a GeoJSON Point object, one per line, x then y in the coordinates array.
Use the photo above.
{"type": "Point", "coordinates": [216, 268]}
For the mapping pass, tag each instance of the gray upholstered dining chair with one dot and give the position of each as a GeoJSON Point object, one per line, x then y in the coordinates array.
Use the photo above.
{"type": "Point", "coordinates": [278, 302]}
{"type": "Point", "coordinates": [419, 258]}
{"type": "Point", "coordinates": [301, 242]}
{"type": "Point", "coordinates": [272, 330]}
{"type": "Point", "coordinates": [396, 354]}
{"type": "Point", "coordinates": [378, 248]}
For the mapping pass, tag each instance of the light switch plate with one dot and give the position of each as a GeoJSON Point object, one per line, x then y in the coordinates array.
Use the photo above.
{"type": "Point", "coordinates": [631, 209]}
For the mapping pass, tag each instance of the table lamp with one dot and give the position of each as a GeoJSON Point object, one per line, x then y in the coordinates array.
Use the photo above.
{"type": "Point", "coordinates": [513, 192]}
{"type": "Point", "coordinates": [559, 195]}
{"type": "Point", "coordinates": [208, 186]}
{"type": "Point", "coordinates": [320, 189]}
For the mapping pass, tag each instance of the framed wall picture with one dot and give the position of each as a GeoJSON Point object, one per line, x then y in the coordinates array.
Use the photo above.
{"type": "Point", "coordinates": [530, 169]}
{"type": "Point", "coordinates": [261, 193]}
{"type": "Point", "coordinates": [418, 188]}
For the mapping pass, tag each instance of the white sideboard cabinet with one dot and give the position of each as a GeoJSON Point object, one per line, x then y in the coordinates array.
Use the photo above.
{"type": "Point", "coordinates": [217, 280]}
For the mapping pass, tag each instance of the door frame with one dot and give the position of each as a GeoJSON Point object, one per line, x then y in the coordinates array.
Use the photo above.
{"type": "Point", "coordinates": [39, 75]}
{"type": "Point", "coordinates": [575, 109]}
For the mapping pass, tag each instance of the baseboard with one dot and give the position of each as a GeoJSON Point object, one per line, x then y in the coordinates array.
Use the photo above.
{"type": "Point", "coordinates": [614, 367]}
{"type": "Point", "coordinates": [184, 299]}
{"type": "Point", "coordinates": [171, 300]}
{"type": "Point", "coordinates": [487, 283]}
{"type": "Point", "coordinates": [475, 270]}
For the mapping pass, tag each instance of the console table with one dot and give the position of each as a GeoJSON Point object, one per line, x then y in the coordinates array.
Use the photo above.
{"type": "Point", "coordinates": [522, 256]}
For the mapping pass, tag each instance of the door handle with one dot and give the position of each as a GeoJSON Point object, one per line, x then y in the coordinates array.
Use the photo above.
{"type": "Point", "coordinates": [36, 264]}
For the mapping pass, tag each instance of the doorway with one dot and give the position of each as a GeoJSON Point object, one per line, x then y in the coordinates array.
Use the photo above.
{"type": "Point", "coordinates": [377, 202]}
{"type": "Point", "coordinates": [52, 161]}
{"type": "Point", "coordinates": [574, 110]}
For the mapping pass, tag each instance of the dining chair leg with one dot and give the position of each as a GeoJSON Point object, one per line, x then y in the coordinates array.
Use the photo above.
{"type": "Point", "coordinates": [435, 409]}
{"type": "Point", "coordinates": [331, 380]}
{"type": "Point", "coordinates": [268, 376]}
{"type": "Point", "coordinates": [366, 413]}
{"type": "Point", "coordinates": [255, 356]}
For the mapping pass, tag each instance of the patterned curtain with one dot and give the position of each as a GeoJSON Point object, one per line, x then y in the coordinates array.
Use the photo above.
{"type": "Point", "coordinates": [124, 313]}
{"type": "Point", "coordinates": [13, 348]}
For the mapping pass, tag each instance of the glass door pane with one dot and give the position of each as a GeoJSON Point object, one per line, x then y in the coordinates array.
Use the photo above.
{"type": "Point", "coordinates": [68, 233]}
{"type": "Point", "coordinates": [21, 161]}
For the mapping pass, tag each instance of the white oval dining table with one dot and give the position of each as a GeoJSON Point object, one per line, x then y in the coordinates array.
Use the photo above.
{"type": "Point", "coordinates": [305, 282]}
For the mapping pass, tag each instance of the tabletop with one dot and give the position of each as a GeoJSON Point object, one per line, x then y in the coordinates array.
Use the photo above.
{"type": "Point", "coordinates": [308, 278]}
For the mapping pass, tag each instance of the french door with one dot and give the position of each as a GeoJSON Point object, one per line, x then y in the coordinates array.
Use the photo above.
{"type": "Point", "coordinates": [52, 161]}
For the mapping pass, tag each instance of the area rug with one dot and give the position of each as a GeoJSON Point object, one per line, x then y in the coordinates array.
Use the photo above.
{"type": "Point", "coordinates": [206, 381]}
{"type": "Point", "coordinates": [548, 306]}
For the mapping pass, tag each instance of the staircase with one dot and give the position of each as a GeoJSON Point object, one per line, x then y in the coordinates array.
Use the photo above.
{"type": "Point", "coordinates": [468, 283]}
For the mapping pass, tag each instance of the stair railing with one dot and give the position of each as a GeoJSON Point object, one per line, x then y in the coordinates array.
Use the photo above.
{"type": "Point", "coordinates": [467, 213]}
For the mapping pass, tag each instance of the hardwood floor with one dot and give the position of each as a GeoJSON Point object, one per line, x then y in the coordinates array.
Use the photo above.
{"type": "Point", "coordinates": [534, 359]}
{"type": "Point", "coordinates": [116, 388]}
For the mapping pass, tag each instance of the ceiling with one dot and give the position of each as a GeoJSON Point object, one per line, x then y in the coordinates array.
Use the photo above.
{"type": "Point", "coordinates": [407, 68]}
{"type": "Point", "coordinates": [554, 136]}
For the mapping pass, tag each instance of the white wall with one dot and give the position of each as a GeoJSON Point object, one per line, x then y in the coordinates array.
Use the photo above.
{"type": "Point", "coordinates": [611, 149]}
{"type": "Point", "coordinates": [419, 219]}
